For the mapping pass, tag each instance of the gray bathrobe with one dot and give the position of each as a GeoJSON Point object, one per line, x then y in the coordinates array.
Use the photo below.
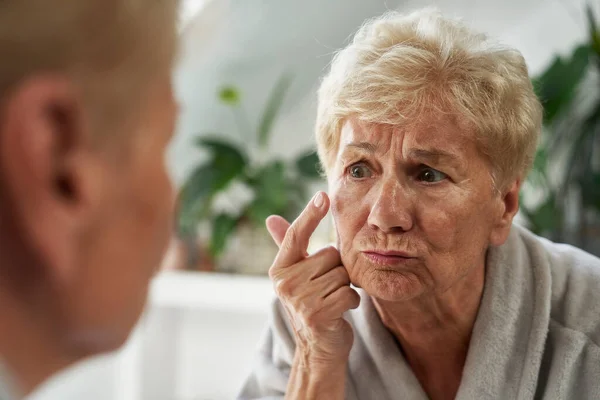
{"type": "Point", "coordinates": [536, 336]}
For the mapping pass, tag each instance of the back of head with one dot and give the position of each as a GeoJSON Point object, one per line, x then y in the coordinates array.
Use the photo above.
{"type": "Point", "coordinates": [109, 48]}
{"type": "Point", "coordinates": [399, 67]}
{"type": "Point", "coordinates": [86, 113]}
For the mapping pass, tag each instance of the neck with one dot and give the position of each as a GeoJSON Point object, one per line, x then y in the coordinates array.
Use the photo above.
{"type": "Point", "coordinates": [434, 331]}
{"type": "Point", "coordinates": [27, 346]}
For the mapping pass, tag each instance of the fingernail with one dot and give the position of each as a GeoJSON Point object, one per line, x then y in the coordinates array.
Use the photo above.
{"type": "Point", "coordinates": [318, 200]}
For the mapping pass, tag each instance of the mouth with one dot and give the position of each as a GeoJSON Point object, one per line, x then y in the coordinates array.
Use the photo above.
{"type": "Point", "coordinates": [381, 257]}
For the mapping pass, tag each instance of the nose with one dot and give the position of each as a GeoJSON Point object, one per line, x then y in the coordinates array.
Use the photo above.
{"type": "Point", "coordinates": [391, 210]}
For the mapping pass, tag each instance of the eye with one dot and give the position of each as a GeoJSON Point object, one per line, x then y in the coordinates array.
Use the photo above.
{"type": "Point", "coordinates": [359, 171]}
{"type": "Point", "coordinates": [431, 175]}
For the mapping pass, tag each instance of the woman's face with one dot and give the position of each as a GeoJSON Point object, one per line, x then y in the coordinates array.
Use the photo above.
{"type": "Point", "coordinates": [414, 209]}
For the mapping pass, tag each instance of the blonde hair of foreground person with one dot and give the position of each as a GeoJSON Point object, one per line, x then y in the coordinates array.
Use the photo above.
{"type": "Point", "coordinates": [85, 201]}
{"type": "Point", "coordinates": [399, 67]}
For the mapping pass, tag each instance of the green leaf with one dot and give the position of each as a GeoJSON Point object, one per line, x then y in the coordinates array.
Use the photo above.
{"type": "Point", "coordinates": [541, 159]}
{"type": "Point", "coordinates": [258, 211]}
{"type": "Point", "coordinates": [581, 145]}
{"type": "Point", "coordinates": [194, 198]}
{"type": "Point", "coordinates": [222, 227]}
{"type": "Point", "coordinates": [538, 175]}
{"type": "Point", "coordinates": [223, 154]}
{"type": "Point", "coordinates": [557, 86]}
{"type": "Point", "coordinates": [592, 28]}
{"type": "Point", "coordinates": [226, 163]}
{"type": "Point", "coordinates": [297, 193]}
{"type": "Point", "coordinates": [272, 109]}
{"type": "Point", "coordinates": [229, 95]}
{"type": "Point", "coordinates": [271, 192]}
{"type": "Point", "coordinates": [271, 183]}
{"type": "Point", "coordinates": [590, 190]}
{"type": "Point", "coordinates": [546, 218]}
{"type": "Point", "coordinates": [308, 165]}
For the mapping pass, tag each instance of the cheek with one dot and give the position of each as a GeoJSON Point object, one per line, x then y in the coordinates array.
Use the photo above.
{"type": "Point", "coordinates": [156, 208]}
{"type": "Point", "coordinates": [349, 214]}
{"type": "Point", "coordinates": [458, 220]}
{"type": "Point", "coordinates": [150, 206]}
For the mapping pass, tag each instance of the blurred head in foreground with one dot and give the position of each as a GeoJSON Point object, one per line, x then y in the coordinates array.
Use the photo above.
{"type": "Point", "coordinates": [86, 112]}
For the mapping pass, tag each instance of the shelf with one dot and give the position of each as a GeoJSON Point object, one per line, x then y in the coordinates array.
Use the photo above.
{"type": "Point", "coordinates": [224, 292]}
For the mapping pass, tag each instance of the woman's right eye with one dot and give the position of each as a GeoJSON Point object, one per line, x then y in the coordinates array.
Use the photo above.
{"type": "Point", "coordinates": [359, 171]}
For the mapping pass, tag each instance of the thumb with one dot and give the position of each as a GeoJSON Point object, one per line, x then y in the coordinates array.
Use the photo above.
{"type": "Point", "coordinates": [277, 227]}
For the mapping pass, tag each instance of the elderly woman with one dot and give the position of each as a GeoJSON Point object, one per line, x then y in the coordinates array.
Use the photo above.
{"type": "Point", "coordinates": [426, 131]}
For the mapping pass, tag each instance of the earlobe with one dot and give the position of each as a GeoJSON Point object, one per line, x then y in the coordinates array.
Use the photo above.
{"type": "Point", "coordinates": [511, 201]}
{"type": "Point", "coordinates": [509, 206]}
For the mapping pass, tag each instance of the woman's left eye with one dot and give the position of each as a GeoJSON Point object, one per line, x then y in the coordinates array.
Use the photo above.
{"type": "Point", "coordinates": [431, 175]}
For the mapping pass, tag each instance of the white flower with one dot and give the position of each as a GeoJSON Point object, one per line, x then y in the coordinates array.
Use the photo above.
{"type": "Point", "coordinates": [233, 199]}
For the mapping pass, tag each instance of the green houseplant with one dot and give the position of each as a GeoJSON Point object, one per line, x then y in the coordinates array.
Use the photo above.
{"type": "Point", "coordinates": [240, 184]}
{"type": "Point", "coordinates": [566, 175]}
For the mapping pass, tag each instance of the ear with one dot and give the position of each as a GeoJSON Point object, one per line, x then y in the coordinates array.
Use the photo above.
{"type": "Point", "coordinates": [47, 174]}
{"type": "Point", "coordinates": [508, 207]}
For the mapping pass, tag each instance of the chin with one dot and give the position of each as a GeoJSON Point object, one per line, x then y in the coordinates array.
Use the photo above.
{"type": "Point", "coordinates": [103, 336]}
{"type": "Point", "coordinates": [390, 285]}
{"type": "Point", "coordinates": [88, 343]}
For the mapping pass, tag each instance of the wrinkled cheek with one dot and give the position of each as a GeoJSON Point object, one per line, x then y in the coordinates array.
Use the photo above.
{"type": "Point", "coordinates": [437, 226]}
{"type": "Point", "coordinates": [445, 226]}
{"type": "Point", "coordinates": [349, 216]}
{"type": "Point", "coordinates": [341, 204]}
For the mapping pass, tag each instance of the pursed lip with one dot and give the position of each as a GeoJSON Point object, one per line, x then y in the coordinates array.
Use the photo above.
{"type": "Point", "coordinates": [388, 253]}
{"type": "Point", "coordinates": [387, 258]}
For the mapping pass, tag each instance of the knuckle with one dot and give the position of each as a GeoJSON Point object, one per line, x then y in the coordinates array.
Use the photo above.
{"type": "Point", "coordinates": [346, 293]}
{"type": "Point", "coordinates": [352, 294]}
{"type": "Point", "coordinates": [307, 314]}
{"type": "Point", "coordinates": [331, 253]}
{"type": "Point", "coordinates": [284, 288]}
{"type": "Point", "coordinates": [273, 272]}
{"type": "Point", "coordinates": [354, 298]}
{"type": "Point", "coordinates": [342, 274]}
{"type": "Point", "coordinates": [291, 239]}
{"type": "Point", "coordinates": [327, 257]}
{"type": "Point", "coordinates": [312, 321]}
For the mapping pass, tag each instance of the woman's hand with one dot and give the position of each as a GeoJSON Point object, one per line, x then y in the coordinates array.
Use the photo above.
{"type": "Point", "coordinates": [314, 289]}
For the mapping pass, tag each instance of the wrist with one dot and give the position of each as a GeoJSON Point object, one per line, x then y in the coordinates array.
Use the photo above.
{"type": "Point", "coordinates": [317, 365]}
{"type": "Point", "coordinates": [316, 361]}
{"type": "Point", "coordinates": [317, 379]}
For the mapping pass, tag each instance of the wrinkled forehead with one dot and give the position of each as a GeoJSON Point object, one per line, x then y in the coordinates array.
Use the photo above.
{"type": "Point", "coordinates": [433, 133]}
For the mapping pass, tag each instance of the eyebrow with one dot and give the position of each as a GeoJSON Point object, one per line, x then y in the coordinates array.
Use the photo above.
{"type": "Point", "coordinates": [434, 155]}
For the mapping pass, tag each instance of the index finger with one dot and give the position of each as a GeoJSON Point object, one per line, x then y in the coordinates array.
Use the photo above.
{"type": "Point", "coordinates": [295, 243]}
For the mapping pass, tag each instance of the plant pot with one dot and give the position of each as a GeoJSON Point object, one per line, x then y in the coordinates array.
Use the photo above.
{"type": "Point", "coordinates": [187, 254]}
{"type": "Point", "coordinates": [250, 251]}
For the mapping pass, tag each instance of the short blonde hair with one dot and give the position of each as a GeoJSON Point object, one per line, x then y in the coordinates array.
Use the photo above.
{"type": "Point", "coordinates": [109, 48]}
{"type": "Point", "coordinates": [399, 67]}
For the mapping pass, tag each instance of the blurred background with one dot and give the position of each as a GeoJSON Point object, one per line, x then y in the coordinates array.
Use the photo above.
{"type": "Point", "coordinates": [246, 80]}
